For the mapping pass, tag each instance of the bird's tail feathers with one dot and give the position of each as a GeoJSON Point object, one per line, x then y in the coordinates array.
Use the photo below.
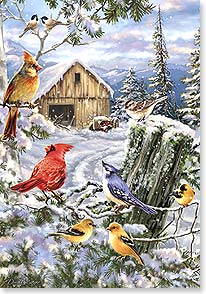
{"type": "Point", "coordinates": [144, 207]}
{"type": "Point", "coordinates": [27, 185]}
{"type": "Point", "coordinates": [10, 124]}
{"type": "Point", "coordinates": [56, 234]}
{"type": "Point", "coordinates": [21, 35]}
{"type": "Point", "coordinates": [138, 258]}
{"type": "Point", "coordinates": [162, 99]}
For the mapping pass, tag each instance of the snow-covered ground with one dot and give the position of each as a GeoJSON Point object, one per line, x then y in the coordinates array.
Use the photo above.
{"type": "Point", "coordinates": [83, 164]}
{"type": "Point", "coordinates": [84, 161]}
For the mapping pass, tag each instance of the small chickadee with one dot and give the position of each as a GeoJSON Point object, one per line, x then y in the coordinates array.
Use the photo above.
{"type": "Point", "coordinates": [184, 194]}
{"type": "Point", "coordinates": [50, 23]}
{"type": "Point", "coordinates": [141, 110]}
{"type": "Point", "coordinates": [31, 25]}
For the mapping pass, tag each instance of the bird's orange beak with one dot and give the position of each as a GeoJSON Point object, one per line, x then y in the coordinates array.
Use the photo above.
{"type": "Point", "coordinates": [38, 67]}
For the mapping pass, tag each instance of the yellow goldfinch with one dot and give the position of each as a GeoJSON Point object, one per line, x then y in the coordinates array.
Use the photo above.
{"type": "Point", "coordinates": [121, 242]}
{"type": "Point", "coordinates": [184, 194]}
{"type": "Point", "coordinates": [78, 233]}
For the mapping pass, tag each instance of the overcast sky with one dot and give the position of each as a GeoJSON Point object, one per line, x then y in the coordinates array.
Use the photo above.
{"type": "Point", "coordinates": [124, 44]}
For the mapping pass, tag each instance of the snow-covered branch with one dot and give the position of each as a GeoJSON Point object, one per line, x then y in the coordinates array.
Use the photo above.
{"type": "Point", "coordinates": [26, 105]}
{"type": "Point", "coordinates": [8, 14]}
{"type": "Point", "coordinates": [162, 239]}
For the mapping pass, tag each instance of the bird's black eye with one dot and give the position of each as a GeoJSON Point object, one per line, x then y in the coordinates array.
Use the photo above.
{"type": "Point", "coordinates": [52, 148]}
{"type": "Point", "coordinates": [183, 188]}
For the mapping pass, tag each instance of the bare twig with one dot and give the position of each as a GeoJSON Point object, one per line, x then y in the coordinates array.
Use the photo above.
{"type": "Point", "coordinates": [8, 14]}
{"type": "Point", "coordinates": [192, 226]}
{"type": "Point", "coordinates": [173, 219]}
{"type": "Point", "coordinates": [162, 239]}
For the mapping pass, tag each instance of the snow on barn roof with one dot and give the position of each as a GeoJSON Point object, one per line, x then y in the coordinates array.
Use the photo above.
{"type": "Point", "coordinates": [51, 75]}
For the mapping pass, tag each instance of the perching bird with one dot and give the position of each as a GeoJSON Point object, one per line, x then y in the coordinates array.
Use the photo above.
{"type": "Point", "coordinates": [78, 233]}
{"type": "Point", "coordinates": [141, 110]}
{"type": "Point", "coordinates": [121, 242]}
{"type": "Point", "coordinates": [31, 25]}
{"type": "Point", "coordinates": [117, 191]}
{"type": "Point", "coordinates": [50, 23]}
{"type": "Point", "coordinates": [21, 89]}
{"type": "Point", "coordinates": [50, 173]}
{"type": "Point", "coordinates": [184, 194]}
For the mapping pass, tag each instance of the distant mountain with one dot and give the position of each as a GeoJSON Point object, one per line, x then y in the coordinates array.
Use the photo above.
{"type": "Point", "coordinates": [114, 77]}
{"type": "Point", "coordinates": [14, 57]}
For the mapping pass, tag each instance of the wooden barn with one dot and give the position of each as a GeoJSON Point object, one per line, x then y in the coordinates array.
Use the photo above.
{"type": "Point", "coordinates": [74, 93]}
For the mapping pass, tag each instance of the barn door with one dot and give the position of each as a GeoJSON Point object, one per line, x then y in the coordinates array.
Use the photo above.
{"type": "Point", "coordinates": [63, 114]}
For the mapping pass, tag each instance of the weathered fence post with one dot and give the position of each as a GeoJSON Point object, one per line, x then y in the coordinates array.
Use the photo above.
{"type": "Point", "coordinates": [158, 151]}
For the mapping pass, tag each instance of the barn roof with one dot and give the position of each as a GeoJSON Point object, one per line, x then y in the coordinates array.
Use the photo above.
{"type": "Point", "coordinates": [51, 75]}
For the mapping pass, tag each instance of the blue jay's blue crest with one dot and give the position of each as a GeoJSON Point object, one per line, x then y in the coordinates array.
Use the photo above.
{"type": "Point", "coordinates": [110, 168]}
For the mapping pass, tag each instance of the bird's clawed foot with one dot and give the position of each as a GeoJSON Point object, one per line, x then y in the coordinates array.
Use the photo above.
{"type": "Point", "coordinates": [75, 246]}
{"type": "Point", "coordinates": [122, 258]}
{"type": "Point", "coordinates": [54, 195]}
{"type": "Point", "coordinates": [118, 208]}
{"type": "Point", "coordinates": [46, 199]}
{"type": "Point", "coordinates": [57, 197]}
{"type": "Point", "coordinates": [31, 106]}
{"type": "Point", "coordinates": [10, 138]}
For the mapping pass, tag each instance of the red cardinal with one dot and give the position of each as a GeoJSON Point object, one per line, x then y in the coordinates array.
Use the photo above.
{"type": "Point", "coordinates": [49, 174]}
{"type": "Point", "coordinates": [21, 89]}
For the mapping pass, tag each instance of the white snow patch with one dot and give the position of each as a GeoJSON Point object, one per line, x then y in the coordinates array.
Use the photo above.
{"type": "Point", "coordinates": [169, 255]}
{"type": "Point", "coordinates": [50, 76]}
{"type": "Point", "coordinates": [135, 229]}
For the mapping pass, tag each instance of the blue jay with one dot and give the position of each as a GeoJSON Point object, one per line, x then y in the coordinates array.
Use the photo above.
{"type": "Point", "coordinates": [117, 191]}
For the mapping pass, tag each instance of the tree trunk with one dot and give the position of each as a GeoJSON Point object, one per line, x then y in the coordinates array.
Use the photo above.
{"type": "Point", "coordinates": [3, 74]}
{"type": "Point", "coordinates": [155, 161]}
{"type": "Point", "coordinates": [9, 159]}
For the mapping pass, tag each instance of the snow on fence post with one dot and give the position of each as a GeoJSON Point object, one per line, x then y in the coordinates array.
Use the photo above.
{"type": "Point", "coordinates": [158, 151]}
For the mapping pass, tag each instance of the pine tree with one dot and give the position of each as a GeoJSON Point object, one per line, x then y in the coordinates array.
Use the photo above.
{"type": "Point", "coordinates": [132, 89]}
{"type": "Point", "coordinates": [142, 93]}
{"type": "Point", "coordinates": [191, 113]}
{"type": "Point", "coordinates": [161, 81]}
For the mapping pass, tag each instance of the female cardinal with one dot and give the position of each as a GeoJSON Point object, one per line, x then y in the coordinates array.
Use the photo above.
{"type": "Point", "coordinates": [49, 174]}
{"type": "Point", "coordinates": [21, 89]}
